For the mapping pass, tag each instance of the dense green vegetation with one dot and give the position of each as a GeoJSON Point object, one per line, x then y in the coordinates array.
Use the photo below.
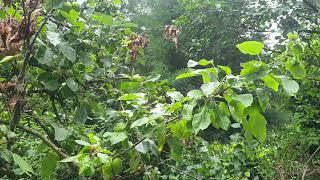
{"type": "Point", "coordinates": [159, 89]}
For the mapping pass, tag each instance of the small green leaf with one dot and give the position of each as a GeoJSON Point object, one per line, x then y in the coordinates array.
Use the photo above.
{"type": "Point", "coordinates": [263, 98]}
{"type": "Point", "coordinates": [251, 47]}
{"type": "Point", "coordinates": [174, 95]}
{"type": "Point", "coordinates": [192, 63]}
{"type": "Point", "coordinates": [23, 165]}
{"type": "Point", "coordinates": [52, 85]}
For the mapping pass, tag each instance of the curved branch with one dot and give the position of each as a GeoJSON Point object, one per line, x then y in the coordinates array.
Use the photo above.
{"type": "Point", "coordinates": [37, 134]}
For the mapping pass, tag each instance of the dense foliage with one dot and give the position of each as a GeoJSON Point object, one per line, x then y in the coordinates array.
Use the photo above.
{"type": "Point", "coordinates": [159, 89]}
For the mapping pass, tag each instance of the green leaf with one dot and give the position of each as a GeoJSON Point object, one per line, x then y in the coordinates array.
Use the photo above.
{"type": "Point", "coordinates": [61, 134]}
{"type": "Point", "coordinates": [245, 99]}
{"type": "Point", "coordinates": [257, 124]}
{"type": "Point", "coordinates": [253, 70]}
{"type": "Point", "coordinates": [54, 4]}
{"type": "Point", "coordinates": [209, 88]}
{"type": "Point", "coordinates": [140, 122]}
{"type": "Point", "coordinates": [180, 129]}
{"type": "Point", "coordinates": [186, 75]}
{"type": "Point", "coordinates": [83, 143]}
{"type": "Point", "coordinates": [52, 85]}
{"type": "Point", "coordinates": [67, 51]}
{"type": "Point", "coordinates": [81, 115]}
{"type": "Point", "coordinates": [226, 69]}
{"type": "Point", "coordinates": [201, 121]}
{"type": "Point", "coordinates": [48, 165]}
{"type": "Point", "coordinates": [23, 165]}
{"type": "Point", "coordinates": [271, 82]}
{"type": "Point", "coordinates": [263, 98]}
{"type": "Point", "coordinates": [70, 159]}
{"type": "Point", "coordinates": [251, 47]}
{"type": "Point", "coordinates": [128, 97]}
{"type": "Point", "coordinates": [204, 62]}
{"type": "Point", "coordinates": [118, 137]}
{"type": "Point", "coordinates": [3, 14]}
{"type": "Point", "coordinates": [175, 95]}
{"type": "Point", "coordinates": [237, 111]}
{"type": "Point", "coordinates": [195, 94]}
{"type": "Point", "coordinates": [296, 69]}
{"type": "Point", "coordinates": [187, 111]}
{"type": "Point", "coordinates": [291, 87]}
{"type": "Point", "coordinates": [54, 38]}
{"type": "Point", "coordinates": [8, 59]}
{"type": "Point", "coordinates": [103, 19]}
{"type": "Point", "coordinates": [45, 55]}
{"type": "Point", "coordinates": [117, 2]}
{"type": "Point", "coordinates": [72, 84]}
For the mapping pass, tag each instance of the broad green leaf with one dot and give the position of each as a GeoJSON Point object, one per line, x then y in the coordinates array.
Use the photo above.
{"type": "Point", "coordinates": [52, 85]}
{"type": "Point", "coordinates": [140, 122]}
{"type": "Point", "coordinates": [176, 148]}
{"type": "Point", "coordinates": [83, 143]}
{"type": "Point", "coordinates": [81, 115]}
{"type": "Point", "coordinates": [60, 133]}
{"type": "Point", "coordinates": [204, 62]}
{"type": "Point", "coordinates": [54, 4]}
{"type": "Point", "coordinates": [251, 47]}
{"type": "Point", "coordinates": [48, 165]}
{"type": "Point", "coordinates": [271, 82]}
{"type": "Point", "coordinates": [70, 159]}
{"type": "Point", "coordinates": [253, 70]}
{"type": "Point", "coordinates": [296, 69]}
{"type": "Point", "coordinates": [54, 38]}
{"type": "Point", "coordinates": [187, 111]}
{"type": "Point", "coordinates": [8, 58]}
{"type": "Point", "coordinates": [23, 165]}
{"type": "Point", "coordinates": [67, 51]}
{"type": "Point", "coordinates": [72, 84]}
{"type": "Point", "coordinates": [195, 94]}
{"type": "Point", "coordinates": [45, 56]}
{"type": "Point", "coordinates": [245, 99]}
{"type": "Point", "coordinates": [180, 129]}
{"type": "Point", "coordinates": [291, 87]}
{"type": "Point", "coordinates": [209, 88]}
{"type": "Point", "coordinates": [226, 69]}
{"type": "Point", "coordinates": [118, 137]}
{"type": "Point", "coordinates": [103, 19]}
{"type": "Point", "coordinates": [128, 97]}
{"type": "Point", "coordinates": [258, 125]}
{"type": "Point", "coordinates": [201, 121]}
{"type": "Point", "coordinates": [237, 111]}
{"type": "Point", "coordinates": [186, 75]}
{"type": "Point", "coordinates": [3, 14]}
{"type": "Point", "coordinates": [175, 96]}
{"type": "Point", "coordinates": [263, 98]}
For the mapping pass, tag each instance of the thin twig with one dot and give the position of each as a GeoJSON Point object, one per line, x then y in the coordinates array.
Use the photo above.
{"type": "Point", "coordinates": [306, 164]}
